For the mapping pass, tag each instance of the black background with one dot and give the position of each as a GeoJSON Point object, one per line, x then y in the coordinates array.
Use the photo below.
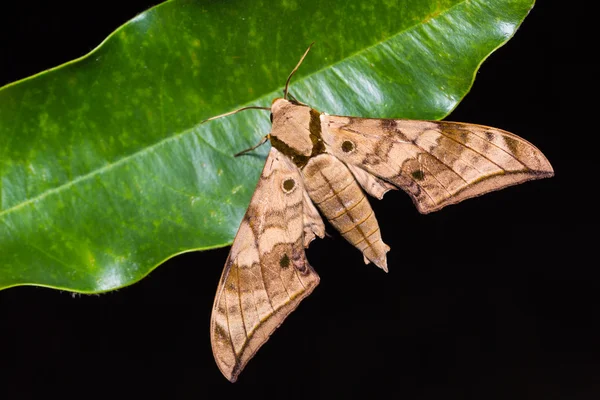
{"type": "Point", "coordinates": [495, 298]}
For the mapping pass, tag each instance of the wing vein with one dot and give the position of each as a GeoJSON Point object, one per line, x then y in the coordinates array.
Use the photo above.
{"type": "Point", "coordinates": [239, 290]}
{"type": "Point", "coordinates": [228, 324]}
{"type": "Point", "coordinates": [500, 148]}
{"type": "Point", "coordinates": [437, 180]}
{"type": "Point", "coordinates": [477, 152]}
{"type": "Point", "coordinates": [262, 275]}
{"type": "Point", "coordinates": [448, 166]}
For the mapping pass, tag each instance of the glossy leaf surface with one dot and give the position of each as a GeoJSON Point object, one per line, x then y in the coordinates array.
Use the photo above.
{"type": "Point", "coordinates": [105, 170]}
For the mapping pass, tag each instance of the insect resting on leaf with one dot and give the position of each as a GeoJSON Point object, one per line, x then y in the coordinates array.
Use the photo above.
{"type": "Point", "coordinates": [327, 162]}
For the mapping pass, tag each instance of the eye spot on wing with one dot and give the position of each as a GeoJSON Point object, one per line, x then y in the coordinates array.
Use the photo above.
{"type": "Point", "coordinates": [288, 185]}
{"type": "Point", "coordinates": [284, 262]}
{"type": "Point", "coordinates": [348, 146]}
{"type": "Point", "coordinates": [418, 175]}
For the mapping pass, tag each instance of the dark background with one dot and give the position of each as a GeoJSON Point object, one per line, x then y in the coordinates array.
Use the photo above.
{"type": "Point", "coordinates": [495, 298]}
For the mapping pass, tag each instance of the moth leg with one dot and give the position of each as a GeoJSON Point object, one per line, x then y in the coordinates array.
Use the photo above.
{"type": "Point", "coordinates": [262, 141]}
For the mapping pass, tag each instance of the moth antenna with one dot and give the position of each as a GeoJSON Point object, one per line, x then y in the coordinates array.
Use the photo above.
{"type": "Point", "coordinates": [236, 111]}
{"type": "Point", "coordinates": [262, 141]}
{"type": "Point", "coordinates": [287, 83]}
{"type": "Point", "coordinates": [295, 100]}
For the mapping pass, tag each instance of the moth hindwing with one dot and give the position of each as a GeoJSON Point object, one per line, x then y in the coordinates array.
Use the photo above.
{"type": "Point", "coordinates": [326, 162]}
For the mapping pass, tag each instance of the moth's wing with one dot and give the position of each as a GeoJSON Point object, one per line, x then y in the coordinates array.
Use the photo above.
{"type": "Point", "coordinates": [266, 274]}
{"type": "Point", "coordinates": [436, 162]}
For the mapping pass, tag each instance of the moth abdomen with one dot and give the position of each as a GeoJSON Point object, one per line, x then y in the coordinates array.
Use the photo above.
{"type": "Point", "coordinates": [332, 187]}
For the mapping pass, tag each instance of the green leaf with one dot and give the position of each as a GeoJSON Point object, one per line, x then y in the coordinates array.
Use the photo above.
{"type": "Point", "coordinates": [105, 170]}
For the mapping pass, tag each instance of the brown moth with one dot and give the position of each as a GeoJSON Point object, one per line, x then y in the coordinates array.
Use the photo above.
{"type": "Point", "coordinates": [328, 162]}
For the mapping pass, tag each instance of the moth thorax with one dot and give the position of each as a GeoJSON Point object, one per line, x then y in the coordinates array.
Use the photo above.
{"type": "Point", "coordinates": [290, 132]}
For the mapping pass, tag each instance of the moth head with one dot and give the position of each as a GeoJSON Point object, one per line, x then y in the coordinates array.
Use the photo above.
{"type": "Point", "coordinates": [290, 132]}
{"type": "Point", "coordinates": [278, 105]}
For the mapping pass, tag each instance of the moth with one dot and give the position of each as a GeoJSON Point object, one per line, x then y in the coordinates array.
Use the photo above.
{"type": "Point", "coordinates": [322, 164]}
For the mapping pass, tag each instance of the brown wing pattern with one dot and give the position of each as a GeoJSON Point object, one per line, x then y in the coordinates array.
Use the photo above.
{"type": "Point", "coordinates": [266, 274]}
{"type": "Point", "coordinates": [436, 162]}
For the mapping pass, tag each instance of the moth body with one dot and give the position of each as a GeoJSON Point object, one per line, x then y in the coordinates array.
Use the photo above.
{"type": "Point", "coordinates": [296, 132]}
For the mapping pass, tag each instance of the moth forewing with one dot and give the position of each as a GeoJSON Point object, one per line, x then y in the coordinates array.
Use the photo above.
{"type": "Point", "coordinates": [322, 160]}
{"type": "Point", "coordinates": [266, 274]}
{"type": "Point", "coordinates": [436, 162]}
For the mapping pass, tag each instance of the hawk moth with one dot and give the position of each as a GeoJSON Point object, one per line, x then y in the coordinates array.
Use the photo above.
{"type": "Point", "coordinates": [322, 164]}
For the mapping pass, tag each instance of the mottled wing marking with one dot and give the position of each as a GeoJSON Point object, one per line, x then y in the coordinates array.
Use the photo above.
{"type": "Point", "coordinates": [266, 274]}
{"type": "Point", "coordinates": [436, 162]}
